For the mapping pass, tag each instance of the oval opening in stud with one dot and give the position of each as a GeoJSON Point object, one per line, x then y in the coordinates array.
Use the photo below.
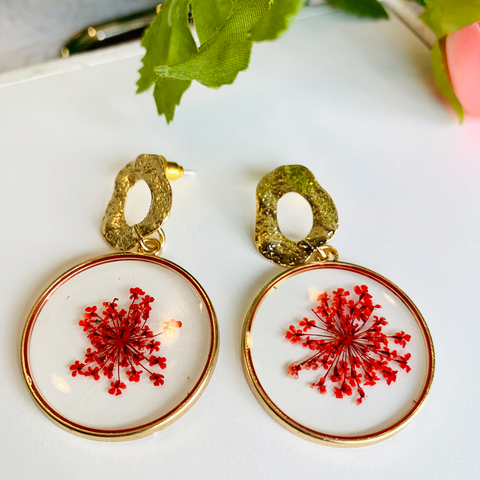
{"type": "Point", "coordinates": [294, 216]}
{"type": "Point", "coordinates": [138, 203]}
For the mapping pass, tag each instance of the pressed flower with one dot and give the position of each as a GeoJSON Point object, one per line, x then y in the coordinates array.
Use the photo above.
{"type": "Point", "coordinates": [349, 344]}
{"type": "Point", "coordinates": [157, 379]}
{"type": "Point", "coordinates": [122, 340]}
{"type": "Point", "coordinates": [77, 368]}
{"type": "Point", "coordinates": [116, 388]}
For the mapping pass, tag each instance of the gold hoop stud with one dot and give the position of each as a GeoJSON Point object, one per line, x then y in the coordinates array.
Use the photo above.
{"type": "Point", "coordinates": [156, 172]}
{"type": "Point", "coordinates": [269, 240]}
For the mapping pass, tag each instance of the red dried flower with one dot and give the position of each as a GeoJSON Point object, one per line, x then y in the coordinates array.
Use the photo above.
{"type": "Point", "coordinates": [122, 340]}
{"type": "Point", "coordinates": [157, 379]}
{"type": "Point", "coordinates": [348, 343]}
{"type": "Point", "coordinates": [77, 368]}
{"type": "Point", "coordinates": [116, 386]}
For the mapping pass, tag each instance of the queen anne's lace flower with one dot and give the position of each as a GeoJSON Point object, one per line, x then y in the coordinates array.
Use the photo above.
{"type": "Point", "coordinates": [349, 344]}
{"type": "Point", "coordinates": [122, 340]}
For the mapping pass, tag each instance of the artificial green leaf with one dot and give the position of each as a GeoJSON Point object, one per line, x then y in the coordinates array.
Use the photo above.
{"type": "Point", "coordinates": [167, 94]}
{"type": "Point", "coordinates": [448, 16]}
{"type": "Point", "coordinates": [209, 16]}
{"type": "Point", "coordinates": [425, 17]}
{"type": "Point", "coordinates": [363, 8]}
{"type": "Point", "coordinates": [168, 40]}
{"type": "Point", "coordinates": [224, 54]}
{"type": "Point", "coordinates": [442, 78]}
{"type": "Point", "coordinates": [277, 20]}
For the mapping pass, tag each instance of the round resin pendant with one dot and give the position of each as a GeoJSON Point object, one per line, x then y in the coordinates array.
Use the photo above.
{"type": "Point", "coordinates": [337, 354]}
{"type": "Point", "coordinates": [120, 346]}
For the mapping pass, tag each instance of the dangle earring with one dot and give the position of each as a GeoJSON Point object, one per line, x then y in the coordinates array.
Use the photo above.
{"type": "Point", "coordinates": [122, 345]}
{"type": "Point", "coordinates": [348, 333]}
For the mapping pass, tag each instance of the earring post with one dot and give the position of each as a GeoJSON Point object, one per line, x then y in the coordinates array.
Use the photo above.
{"type": "Point", "coordinates": [174, 171]}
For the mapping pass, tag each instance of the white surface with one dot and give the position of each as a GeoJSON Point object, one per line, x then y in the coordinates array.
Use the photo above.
{"type": "Point", "coordinates": [354, 102]}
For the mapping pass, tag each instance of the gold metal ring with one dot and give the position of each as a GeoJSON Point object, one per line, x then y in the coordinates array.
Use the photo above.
{"type": "Point", "coordinates": [327, 253]}
{"type": "Point", "coordinates": [150, 245]}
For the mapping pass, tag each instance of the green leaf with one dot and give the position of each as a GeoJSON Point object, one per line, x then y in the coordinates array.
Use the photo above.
{"type": "Point", "coordinates": [226, 52]}
{"type": "Point", "coordinates": [448, 16]}
{"type": "Point", "coordinates": [363, 8]}
{"type": "Point", "coordinates": [167, 40]}
{"type": "Point", "coordinates": [442, 78]}
{"type": "Point", "coordinates": [277, 20]}
{"type": "Point", "coordinates": [167, 94]}
{"type": "Point", "coordinates": [209, 16]}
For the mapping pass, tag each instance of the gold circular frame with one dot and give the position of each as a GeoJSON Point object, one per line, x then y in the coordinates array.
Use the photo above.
{"type": "Point", "coordinates": [123, 434]}
{"type": "Point", "coordinates": [288, 422]}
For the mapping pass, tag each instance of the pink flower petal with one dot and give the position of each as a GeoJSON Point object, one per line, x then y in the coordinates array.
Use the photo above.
{"type": "Point", "coordinates": [463, 57]}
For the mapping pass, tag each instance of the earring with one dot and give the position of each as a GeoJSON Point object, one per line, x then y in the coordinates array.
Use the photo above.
{"type": "Point", "coordinates": [122, 345]}
{"type": "Point", "coordinates": [345, 331]}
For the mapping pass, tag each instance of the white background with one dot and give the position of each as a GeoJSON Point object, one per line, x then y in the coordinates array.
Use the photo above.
{"type": "Point", "coordinates": [354, 102]}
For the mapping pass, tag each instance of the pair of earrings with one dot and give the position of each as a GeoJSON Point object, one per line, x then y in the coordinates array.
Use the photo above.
{"type": "Point", "coordinates": [122, 345]}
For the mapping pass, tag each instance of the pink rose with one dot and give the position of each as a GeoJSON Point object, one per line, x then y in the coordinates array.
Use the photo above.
{"type": "Point", "coordinates": [463, 58]}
